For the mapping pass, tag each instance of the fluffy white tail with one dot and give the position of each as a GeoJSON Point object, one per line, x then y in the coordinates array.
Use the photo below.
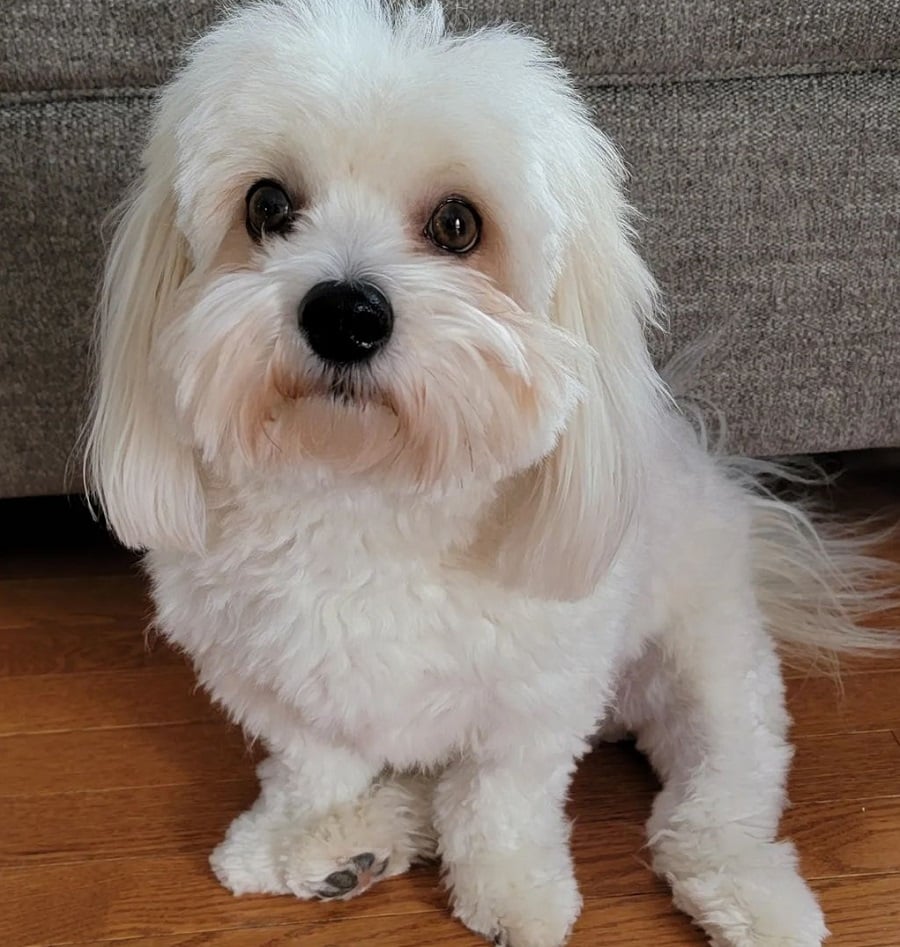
{"type": "Point", "coordinates": [821, 584]}
{"type": "Point", "coordinates": [823, 587]}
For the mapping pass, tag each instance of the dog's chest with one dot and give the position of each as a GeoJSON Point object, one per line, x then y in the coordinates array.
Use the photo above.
{"type": "Point", "coordinates": [398, 656]}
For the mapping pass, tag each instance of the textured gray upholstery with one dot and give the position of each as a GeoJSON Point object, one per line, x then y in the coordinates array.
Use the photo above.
{"type": "Point", "coordinates": [765, 155]}
{"type": "Point", "coordinates": [64, 45]}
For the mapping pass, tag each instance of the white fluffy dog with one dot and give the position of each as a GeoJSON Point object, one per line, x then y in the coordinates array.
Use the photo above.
{"type": "Point", "coordinates": [374, 395]}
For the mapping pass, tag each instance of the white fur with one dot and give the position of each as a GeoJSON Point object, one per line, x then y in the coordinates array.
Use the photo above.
{"type": "Point", "coordinates": [506, 537]}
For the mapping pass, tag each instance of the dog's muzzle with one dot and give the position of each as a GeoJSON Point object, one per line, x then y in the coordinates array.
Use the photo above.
{"type": "Point", "coordinates": [346, 323]}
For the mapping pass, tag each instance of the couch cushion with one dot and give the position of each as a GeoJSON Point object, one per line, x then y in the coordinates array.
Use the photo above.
{"type": "Point", "coordinates": [801, 291]}
{"type": "Point", "coordinates": [771, 202]}
{"type": "Point", "coordinates": [47, 46]}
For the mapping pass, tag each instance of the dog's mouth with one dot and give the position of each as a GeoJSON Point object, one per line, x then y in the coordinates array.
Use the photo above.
{"type": "Point", "coordinates": [349, 387]}
{"type": "Point", "coordinates": [352, 388]}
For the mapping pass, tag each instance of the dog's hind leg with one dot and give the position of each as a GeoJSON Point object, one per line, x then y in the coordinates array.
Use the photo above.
{"type": "Point", "coordinates": [707, 704]}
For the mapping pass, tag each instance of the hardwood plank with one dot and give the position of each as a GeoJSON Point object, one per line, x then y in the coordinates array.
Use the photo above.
{"type": "Point", "coordinates": [833, 838]}
{"type": "Point", "coordinates": [176, 820]}
{"type": "Point", "coordinates": [119, 823]}
{"type": "Point", "coordinates": [838, 839]}
{"type": "Point", "coordinates": [413, 930]}
{"type": "Point", "coordinates": [864, 701]}
{"type": "Point", "coordinates": [180, 819]}
{"type": "Point", "coordinates": [160, 695]}
{"type": "Point", "coordinates": [154, 897]}
{"type": "Point", "coordinates": [123, 905]}
{"type": "Point", "coordinates": [34, 764]}
{"type": "Point", "coordinates": [846, 766]}
{"type": "Point", "coordinates": [614, 781]}
{"type": "Point", "coordinates": [98, 646]}
{"type": "Point", "coordinates": [82, 832]}
{"type": "Point", "coordinates": [862, 912]}
{"type": "Point", "coordinates": [635, 922]}
{"type": "Point", "coordinates": [50, 603]}
{"type": "Point", "coordinates": [620, 922]}
{"type": "Point", "coordinates": [161, 901]}
{"type": "Point", "coordinates": [87, 559]}
{"type": "Point", "coordinates": [616, 872]}
{"type": "Point", "coordinates": [610, 857]}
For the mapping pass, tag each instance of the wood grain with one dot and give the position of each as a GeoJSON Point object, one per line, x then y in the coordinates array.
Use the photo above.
{"type": "Point", "coordinates": [134, 897]}
{"type": "Point", "coordinates": [119, 823]}
{"type": "Point", "coordinates": [41, 604]}
{"type": "Point", "coordinates": [117, 778]}
{"type": "Point", "coordinates": [862, 912]}
{"type": "Point", "coordinates": [858, 702]}
{"type": "Point", "coordinates": [122, 757]}
{"type": "Point", "coordinates": [845, 766]}
{"type": "Point", "coordinates": [838, 839]}
{"type": "Point", "coordinates": [68, 649]}
{"type": "Point", "coordinates": [634, 920]}
{"type": "Point", "coordinates": [123, 698]}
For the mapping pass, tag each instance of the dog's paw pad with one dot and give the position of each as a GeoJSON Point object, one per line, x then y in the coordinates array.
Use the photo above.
{"type": "Point", "coordinates": [340, 882]}
{"type": "Point", "coordinates": [360, 873]}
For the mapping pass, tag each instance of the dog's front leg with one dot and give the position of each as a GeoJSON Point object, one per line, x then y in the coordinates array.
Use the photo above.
{"type": "Point", "coordinates": [504, 840]}
{"type": "Point", "coordinates": [309, 831]}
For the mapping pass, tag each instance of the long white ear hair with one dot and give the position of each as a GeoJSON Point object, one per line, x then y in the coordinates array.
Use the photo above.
{"type": "Point", "coordinates": [565, 520]}
{"type": "Point", "coordinates": [144, 478]}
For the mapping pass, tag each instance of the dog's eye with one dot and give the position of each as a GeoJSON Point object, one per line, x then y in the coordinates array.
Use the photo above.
{"type": "Point", "coordinates": [454, 226]}
{"type": "Point", "coordinates": [269, 209]}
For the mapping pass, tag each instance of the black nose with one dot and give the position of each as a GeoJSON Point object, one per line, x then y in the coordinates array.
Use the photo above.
{"type": "Point", "coordinates": [346, 322]}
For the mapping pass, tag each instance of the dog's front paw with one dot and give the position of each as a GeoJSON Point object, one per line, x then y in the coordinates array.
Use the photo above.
{"type": "Point", "coordinates": [249, 860]}
{"type": "Point", "coordinates": [314, 861]}
{"type": "Point", "coordinates": [337, 855]}
{"type": "Point", "coordinates": [347, 851]}
{"type": "Point", "coordinates": [314, 872]}
{"type": "Point", "coordinates": [516, 900]}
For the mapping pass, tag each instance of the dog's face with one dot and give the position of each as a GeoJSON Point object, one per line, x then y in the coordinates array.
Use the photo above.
{"type": "Point", "coordinates": [373, 248]}
{"type": "Point", "coordinates": [368, 250]}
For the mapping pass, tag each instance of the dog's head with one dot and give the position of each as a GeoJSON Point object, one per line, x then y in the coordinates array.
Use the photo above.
{"type": "Point", "coordinates": [368, 250]}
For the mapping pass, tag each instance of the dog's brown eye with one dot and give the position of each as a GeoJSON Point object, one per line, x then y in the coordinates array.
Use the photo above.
{"type": "Point", "coordinates": [454, 226]}
{"type": "Point", "coordinates": [269, 209]}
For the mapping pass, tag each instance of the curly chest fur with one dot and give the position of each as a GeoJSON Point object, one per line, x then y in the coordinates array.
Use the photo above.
{"type": "Point", "coordinates": [398, 655]}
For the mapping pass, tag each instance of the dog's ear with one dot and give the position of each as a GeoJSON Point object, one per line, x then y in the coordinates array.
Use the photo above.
{"type": "Point", "coordinates": [566, 519]}
{"type": "Point", "coordinates": [143, 476]}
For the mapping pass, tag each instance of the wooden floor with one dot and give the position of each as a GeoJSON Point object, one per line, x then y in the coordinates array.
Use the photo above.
{"type": "Point", "coordinates": [116, 779]}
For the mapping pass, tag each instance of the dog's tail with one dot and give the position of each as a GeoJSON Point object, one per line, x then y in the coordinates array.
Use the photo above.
{"type": "Point", "coordinates": [822, 584]}
{"type": "Point", "coordinates": [823, 588]}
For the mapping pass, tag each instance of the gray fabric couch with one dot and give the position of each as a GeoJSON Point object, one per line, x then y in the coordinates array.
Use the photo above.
{"type": "Point", "coordinates": [763, 139]}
